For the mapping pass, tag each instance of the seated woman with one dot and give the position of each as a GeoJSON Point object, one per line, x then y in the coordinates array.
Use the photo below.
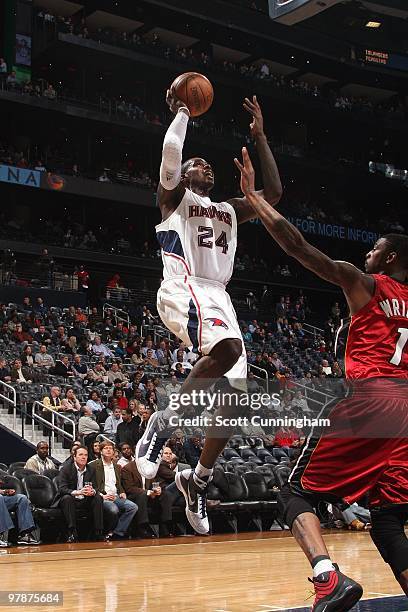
{"type": "Point", "coordinates": [27, 358]}
{"type": "Point", "coordinates": [95, 402]}
{"type": "Point", "coordinates": [70, 403]}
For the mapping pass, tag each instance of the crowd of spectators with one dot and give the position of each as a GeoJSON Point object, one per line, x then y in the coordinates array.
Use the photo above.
{"type": "Point", "coordinates": [100, 481]}
{"type": "Point", "coordinates": [394, 109]}
{"type": "Point", "coordinates": [213, 126]}
{"type": "Point", "coordinates": [123, 172]}
{"type": "Point", "coordinates": [107, 378]}
{"type": "Point", "coordinates": [110, 356]}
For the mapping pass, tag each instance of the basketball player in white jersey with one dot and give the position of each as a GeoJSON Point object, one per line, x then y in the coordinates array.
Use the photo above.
{"type": "Point", "coordinates": [198, 238]}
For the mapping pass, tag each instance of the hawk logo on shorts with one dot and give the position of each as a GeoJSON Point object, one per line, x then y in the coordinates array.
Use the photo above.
{"type": "Point", "coordinates": [217, 323]}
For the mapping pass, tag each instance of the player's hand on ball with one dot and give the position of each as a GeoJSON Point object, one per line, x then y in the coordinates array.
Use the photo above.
{"type": "Point", "coordinates": [256, 126]}
{"type": "Point", "coordinates": [247, 172]}
{"type": "Point", "coordinates": [174, 102]}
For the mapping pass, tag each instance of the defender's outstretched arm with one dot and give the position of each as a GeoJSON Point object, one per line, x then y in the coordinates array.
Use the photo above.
{"type": "Point", "coordinates": [272, 186]}
{"type": "Point", "coordinates": [358, 287]}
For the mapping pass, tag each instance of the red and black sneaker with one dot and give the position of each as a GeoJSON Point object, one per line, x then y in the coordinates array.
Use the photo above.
{"type": "Point", "coordinates": [335, 592]}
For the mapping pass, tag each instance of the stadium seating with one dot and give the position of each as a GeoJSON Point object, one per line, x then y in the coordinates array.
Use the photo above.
{"type": "Point", "coordinates": [21, 473]}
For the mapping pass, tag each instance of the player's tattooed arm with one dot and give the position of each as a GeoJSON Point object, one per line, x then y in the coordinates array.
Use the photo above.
{"type": "Point", "coordinates": [272, 186]}
{"type": "Point", "coordinates": [358, 287]}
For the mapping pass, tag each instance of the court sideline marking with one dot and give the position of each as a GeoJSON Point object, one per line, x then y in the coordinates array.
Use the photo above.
{"type": "Point", "coordinates": [19, 558]}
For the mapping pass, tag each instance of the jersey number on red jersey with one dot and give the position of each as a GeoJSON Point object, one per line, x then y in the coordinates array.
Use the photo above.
{"type": "Point", "coordinates": [401, 343]}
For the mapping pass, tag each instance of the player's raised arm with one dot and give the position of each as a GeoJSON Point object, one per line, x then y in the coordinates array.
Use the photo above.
{"type": "Point", "coordinates": [272, 186]}
{"type": "Point", "coordinates": [171, 191]}
{"type": "Point", "coordinates": [358, 287]}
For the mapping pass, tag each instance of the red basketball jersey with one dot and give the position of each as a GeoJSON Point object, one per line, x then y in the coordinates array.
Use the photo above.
{"type": "Point", "coordinates": [377, 343]}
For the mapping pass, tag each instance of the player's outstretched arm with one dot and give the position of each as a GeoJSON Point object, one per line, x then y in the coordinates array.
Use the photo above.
{"type": "Point", "coordinates": [171, 191]}
{"type": "Point", "coordinates": [357, 286]}
{"type": "Point", "coordinates": [272, 186]}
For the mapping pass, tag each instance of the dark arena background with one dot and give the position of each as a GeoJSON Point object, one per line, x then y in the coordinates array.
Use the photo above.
{"type": "Point", "coordinates": [84, 354]}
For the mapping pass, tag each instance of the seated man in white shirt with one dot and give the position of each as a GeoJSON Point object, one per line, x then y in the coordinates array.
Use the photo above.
{"type": "Point", "coordinates": [128, 454]}
{"type": "Point", "coordinates": [77, 493]}
{"type": "Point", "coordinates": [185, 365]}
{"type": "Point", "coordinates": [116, 374]}
{"type": "Point", "coordinates": [40, 461]}
{"type": "Point", "coordinates": [112, 422]}
{"type": "Point", "coordinates": [43, 359]}
{"type": "Point", "coordinates": [87, 426]}
{"type": "Point", "coordinates": [149, 346]}
{"type": "Point", "coordinates": [300, 402]}
{"type": "Point", "coordinates": [180, 353]}
{"type": "Point", "coordinates": [109, 486]}
{"type": "Point", "coordinates": [173, 386]}
{"type": "Point", "coordinates": [101, 349]}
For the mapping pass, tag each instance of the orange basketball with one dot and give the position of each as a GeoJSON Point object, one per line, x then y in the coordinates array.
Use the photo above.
{"type": "Point", "coordinates": [195, 90]}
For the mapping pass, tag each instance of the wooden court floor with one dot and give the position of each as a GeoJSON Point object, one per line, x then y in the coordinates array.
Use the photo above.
{"type": "Point", "coordinates": [228, 573]}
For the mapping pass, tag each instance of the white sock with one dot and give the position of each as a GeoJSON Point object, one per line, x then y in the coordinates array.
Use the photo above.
{"type": "Point", "coordinates": [325, 565]}
{"type": "Point", "coordinates": [202, 475]}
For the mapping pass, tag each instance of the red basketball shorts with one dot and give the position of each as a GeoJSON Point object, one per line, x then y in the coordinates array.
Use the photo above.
{"type": "Point", "coordinates": [365, 450]}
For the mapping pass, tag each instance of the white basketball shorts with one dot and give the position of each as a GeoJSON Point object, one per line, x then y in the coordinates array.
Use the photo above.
{"type": "Point", "coordinates": [201, 314]}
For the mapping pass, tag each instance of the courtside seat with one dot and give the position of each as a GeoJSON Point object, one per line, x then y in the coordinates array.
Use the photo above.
{"type": "Point", "coordinates": [236, 442]}
{"type": "Point", "coordinates": [248, 509]}
{"type": "Point", "coordinates": [247, 454]}
{"type": "Point", "coordinates": [258, 490]}
{"type": "Point", "coordinates": [272, 460]}
{"type": "Point", "coordinates": [51, 473]}
{"type": "Point", "coordinates": [237, 492]}
{"type": "Point", "coordinates": [267, 470]}
{"type": "Point", "coordinates": [15, 465]}
{"type": "Point", "coordinates": [241, 468]}
{"type": "Point", "coordinates": [21, 473]}
{"type": "Point", "coordinates": [262, 453]}
{"type": "Point", "coordinates": [231, 465]}
{"type": "Point", "coordinates": [284, 460]}
{"type": "Point", "coordinates": [282, 473]}
{"type": "Point", "coordinates": [230, 453]}
{"type": "Point", "coordinates": [256, 486]}
{"type": "Point", "coordinates": [218, 486]}
{"type": "Point", "coordinates": [41, 492]}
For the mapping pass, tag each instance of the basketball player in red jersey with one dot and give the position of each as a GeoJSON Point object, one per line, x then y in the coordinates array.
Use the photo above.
{"type": "Point", "coordinates": [340, 466]}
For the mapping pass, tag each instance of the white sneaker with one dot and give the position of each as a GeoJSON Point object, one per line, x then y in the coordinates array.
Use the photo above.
{"type": "Point", "coordinates": [149, 449]}
{"type": "Point", "coordinates": [196, 501]}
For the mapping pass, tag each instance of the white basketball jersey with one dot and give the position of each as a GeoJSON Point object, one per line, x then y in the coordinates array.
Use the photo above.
{"type": "Point", "coordinates": [199, 239]}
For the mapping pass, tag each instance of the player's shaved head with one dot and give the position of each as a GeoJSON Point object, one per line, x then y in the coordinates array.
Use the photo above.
{"type": "Point", "coordinates": [398, 243]}
{"type": "Point", "coordinates": [190, 162]}
{"type": "Point", "coordinates": [389, 255]}
{"type": "Point", "coordinates": [197, 175]}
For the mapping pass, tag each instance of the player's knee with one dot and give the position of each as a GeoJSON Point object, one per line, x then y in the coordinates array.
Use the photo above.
{"type": "Point", "coordinates": [403, 580]}
{"type": "Point", "coordinates": [232, 351]}
{"type": "Point", "coordinates": [387, 533]}
{"type": "Point", "coordinates": [291, 505]}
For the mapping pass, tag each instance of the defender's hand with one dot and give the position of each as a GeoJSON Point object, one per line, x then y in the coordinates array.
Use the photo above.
{"type": "Point", "coordinates": [256, 126]}
{"type": "Point", "coordinates": [247, 173]}
{"type": "Point", "coordinates": [174, 103]}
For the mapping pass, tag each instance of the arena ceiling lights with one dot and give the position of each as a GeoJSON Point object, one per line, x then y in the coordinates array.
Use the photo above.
{"type": "Point", "coordinates": [294, 11]}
